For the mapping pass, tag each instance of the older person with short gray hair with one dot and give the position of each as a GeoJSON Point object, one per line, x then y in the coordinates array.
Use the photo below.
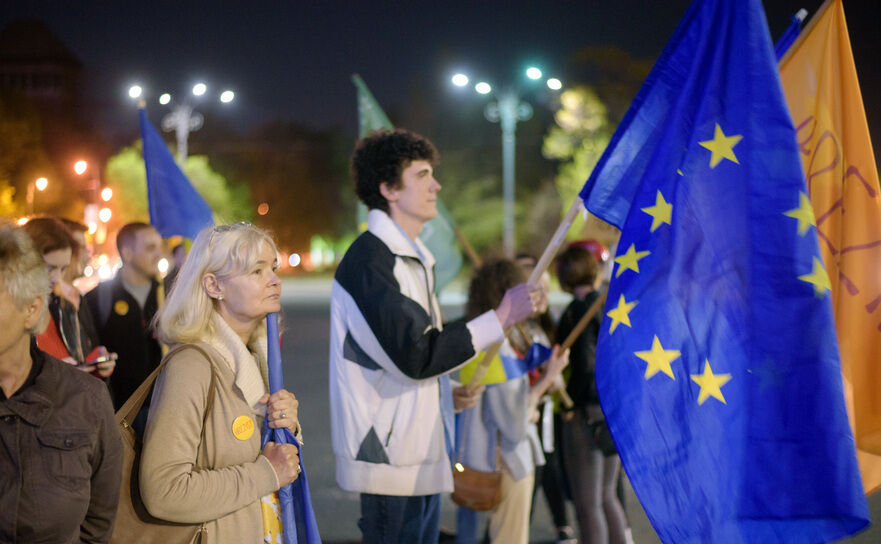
{"type": "Point", "coordinates": [59, 479]}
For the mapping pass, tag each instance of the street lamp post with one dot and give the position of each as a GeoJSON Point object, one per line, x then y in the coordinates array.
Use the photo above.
{"type": "Point", "coordinates": [182, 120]}
{"type": "Point", "coordinates": [507, 110]}
{"type": "Point", "coordinates": [38, 184]}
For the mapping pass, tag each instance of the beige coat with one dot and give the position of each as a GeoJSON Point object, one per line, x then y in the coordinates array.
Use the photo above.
{"type": "Point", "coordinates": [227, 491]}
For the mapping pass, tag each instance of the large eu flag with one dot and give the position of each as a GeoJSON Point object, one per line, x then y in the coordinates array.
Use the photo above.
{"type": "Point", "coordinates": [717, 363]}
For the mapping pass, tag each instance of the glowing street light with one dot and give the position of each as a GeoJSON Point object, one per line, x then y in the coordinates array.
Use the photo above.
{"type": "Point", "coordinates": [104, 215]}
{"type": "Point", "coordinates": [135, 91]}
{"type": "Point", "coordinates": [508, 109]}
{"type": "Point", "coordinates": [39, 184]}
{"type": "Point", "coordinates": [182, 119]}
{"type": "Point", "coordinates": [460, 80]}
{"type": "Point", "coordinates": [80, 166]}
{"type": "Point", "coordinates": [106, 194]}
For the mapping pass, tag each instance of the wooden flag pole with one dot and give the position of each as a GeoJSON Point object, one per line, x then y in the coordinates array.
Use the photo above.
{"type": "Point", "coordinates": [554, 245]}
{"type": "Point", "coordinates": [475, 259]}
{"type": "Point", "coordinates": [540, 267]}
{"type": "Point", "coordinates": [585, 319]}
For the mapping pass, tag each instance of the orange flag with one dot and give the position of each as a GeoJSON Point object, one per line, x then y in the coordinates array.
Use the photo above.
{"type": "Point", "coordinates": [820, 82]}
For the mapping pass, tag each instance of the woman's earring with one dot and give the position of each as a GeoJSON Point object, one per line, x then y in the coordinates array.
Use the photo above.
{"type": "Point", "coordinates": [219, 297]}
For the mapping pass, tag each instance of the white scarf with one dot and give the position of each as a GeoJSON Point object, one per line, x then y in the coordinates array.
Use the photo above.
{"type": "Point", "coordinates": [248, 363]}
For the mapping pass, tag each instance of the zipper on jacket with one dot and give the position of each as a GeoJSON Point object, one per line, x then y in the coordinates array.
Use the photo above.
{"type": "Point", "coordinates": [388, 437]}
{"type": "Point", "coordinates": [431, 316]}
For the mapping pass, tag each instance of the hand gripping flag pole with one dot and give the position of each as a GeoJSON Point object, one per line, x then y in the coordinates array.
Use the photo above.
{"type": "Point", "coordinates": [542, 265]}
{"type": "Point", "coordinates": [298, 517]}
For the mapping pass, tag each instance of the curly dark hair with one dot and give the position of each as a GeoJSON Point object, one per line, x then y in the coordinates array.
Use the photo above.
{"type": "Point", "coordinates": [489, 284]}
{"type": "Point", "coordinates": [576, 267]}
{"type": "Point", "coordinates": [381, 156]}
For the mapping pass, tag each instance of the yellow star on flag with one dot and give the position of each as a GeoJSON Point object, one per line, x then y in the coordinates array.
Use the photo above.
{"type": "Point", "coordinates": [804, 213]}
{"type": "Point", "coordinates": [621, 314]}
{"type": "Point", "coordinates": [661, 212]}
{"type": "Point", "coordinates": [710, 384]}
{"type": "Point", "coordinates": [630, 260]}
{"type": "Point", "coordinates": [658, 359]}
{"type": "Point", "coordinates": [818, 277]}
{"type": "Point", "coordinates": [721, 146]}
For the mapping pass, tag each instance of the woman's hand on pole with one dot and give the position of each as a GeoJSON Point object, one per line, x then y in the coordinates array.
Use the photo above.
{"type": "Point", "coordinates": [281, 407]}
{"type": "Point", "coordinates": [285, 461]}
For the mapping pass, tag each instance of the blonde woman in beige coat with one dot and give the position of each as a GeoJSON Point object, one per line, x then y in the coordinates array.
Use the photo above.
{"type": "Point", "coordinates": [219, 302]}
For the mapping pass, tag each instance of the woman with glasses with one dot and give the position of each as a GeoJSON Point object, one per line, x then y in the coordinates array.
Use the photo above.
{"type": "Point", "coordinates": [201, 459]}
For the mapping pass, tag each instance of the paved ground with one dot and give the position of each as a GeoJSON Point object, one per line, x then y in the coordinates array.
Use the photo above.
{"type": "Point", "coordinates": [305, 353]}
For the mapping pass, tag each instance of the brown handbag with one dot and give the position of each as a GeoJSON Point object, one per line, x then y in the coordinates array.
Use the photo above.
{"type": "Point", "coordinates": [134, 524]}
{"type": "Point", "coordinates": [476, 490]}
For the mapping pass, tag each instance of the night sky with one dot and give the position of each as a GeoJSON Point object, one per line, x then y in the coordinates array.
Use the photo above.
{"type": "Point", "coordinates": [293, 60]}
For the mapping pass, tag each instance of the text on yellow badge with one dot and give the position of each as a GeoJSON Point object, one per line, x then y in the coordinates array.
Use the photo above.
{"type": "Point", "coordinates": [243, 427]}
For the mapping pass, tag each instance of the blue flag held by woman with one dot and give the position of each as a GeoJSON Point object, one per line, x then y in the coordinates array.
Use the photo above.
{"type": "Point", "coordinates": [297, 516]}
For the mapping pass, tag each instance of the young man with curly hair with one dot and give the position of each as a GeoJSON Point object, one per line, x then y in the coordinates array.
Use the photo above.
{"type": "Point", "coordinates": [390, 355]}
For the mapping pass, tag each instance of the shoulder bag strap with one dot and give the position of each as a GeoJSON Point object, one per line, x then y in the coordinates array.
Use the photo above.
{"type": "Point", "coordinates": [132, 406]}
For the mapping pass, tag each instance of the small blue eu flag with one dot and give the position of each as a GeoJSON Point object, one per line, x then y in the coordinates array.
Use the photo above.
{"type": "Point", "coordinates": [717, 362]}
{"type": "Point", "coordinates": [175, 206]}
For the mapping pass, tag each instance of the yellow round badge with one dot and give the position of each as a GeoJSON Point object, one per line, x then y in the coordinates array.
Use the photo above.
{"type": "Point", "coordinates": [243, 427]}
{"type": "Point", "coordinates": [121, 307]}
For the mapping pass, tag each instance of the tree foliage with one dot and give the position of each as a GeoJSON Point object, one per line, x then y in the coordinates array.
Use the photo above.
{"type": "Point", "coordinates": [578, 139]}
{"type": "Point", "coordinates": [125, 174]}
{"type": "Point", "coordinates": [299, 172]}
{"type": "Point", "coordinates": [22, 157]}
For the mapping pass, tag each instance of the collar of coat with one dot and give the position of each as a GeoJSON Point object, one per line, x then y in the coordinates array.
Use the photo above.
{"type": "Point", "coordinates": [383, 227]}
{"type": "Point", "coordinates": [35, 405]}
{"type": "Point", "coordinates": [248, 363]}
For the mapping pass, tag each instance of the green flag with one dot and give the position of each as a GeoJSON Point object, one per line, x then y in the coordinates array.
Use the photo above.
{"type": "Point", "coordinates": [438, 234]}
{"type": "Point", "coordinates": [370, 115]}
{"type": "Point", "coordinates": [370, 118]}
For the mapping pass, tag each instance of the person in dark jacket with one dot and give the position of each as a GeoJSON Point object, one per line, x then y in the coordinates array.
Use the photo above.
{"type": "Point", "coordinates": [69, 335]}
{"type": "Point", "coordinates": [60, 453]}
{"type": "Point", "coordinates": [124, 306]}
{"type": "Point", "coordinates": [591, 462]}
{"type": "Point", "coordinates": [79, 260]}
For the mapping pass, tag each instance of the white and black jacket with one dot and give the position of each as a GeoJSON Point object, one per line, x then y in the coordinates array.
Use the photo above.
{"type": "Point", "coordinates": [387, 349]}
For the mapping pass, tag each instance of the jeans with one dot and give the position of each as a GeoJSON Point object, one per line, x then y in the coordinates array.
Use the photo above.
{"type": "Point", "coordinates": [388, 519]}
